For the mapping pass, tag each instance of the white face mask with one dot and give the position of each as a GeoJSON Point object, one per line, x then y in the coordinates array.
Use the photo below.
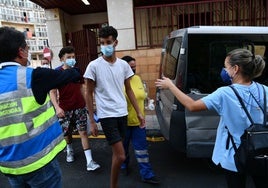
{"type": "Point", "coordinates": [29, 58]}
{"type": "Point", "coordinates": [45, 66]}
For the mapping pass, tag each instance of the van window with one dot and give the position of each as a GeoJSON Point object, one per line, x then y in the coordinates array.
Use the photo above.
{"type": "Point", "coordinates": [206, 55]}
{"type": "Point", "coordinates": [259, 50]}
{"type": "Point", "coordinates": [170, 61]}
{"type": "Point", "coordinates": [262, 51]}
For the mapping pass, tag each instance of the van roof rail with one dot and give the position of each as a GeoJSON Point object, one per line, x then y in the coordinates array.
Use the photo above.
{"type": "Point", "coordinates": [221, 30]}
{"type": "Point", "coordinates": [228, 29]}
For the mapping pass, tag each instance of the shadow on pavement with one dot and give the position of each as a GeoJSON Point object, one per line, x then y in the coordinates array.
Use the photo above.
{"type": "Point", "coordinates": [173, 169]}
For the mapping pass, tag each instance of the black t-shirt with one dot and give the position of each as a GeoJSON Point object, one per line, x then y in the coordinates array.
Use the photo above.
{"type": "Point", "coordinates": [43, 80]}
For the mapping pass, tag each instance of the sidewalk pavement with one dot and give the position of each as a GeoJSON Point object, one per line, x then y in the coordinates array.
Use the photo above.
{"type": "Point", "coordinates": [151, 121]}
{"type": "Point", "coordinates": [152, 125]}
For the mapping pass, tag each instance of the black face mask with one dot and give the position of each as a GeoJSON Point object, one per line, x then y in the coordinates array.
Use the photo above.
{"type": "Point", "coordinates": [134, 71]}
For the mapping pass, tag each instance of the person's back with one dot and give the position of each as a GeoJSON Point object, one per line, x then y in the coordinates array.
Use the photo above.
{"type": "Point", "coordinates": [22, 112]}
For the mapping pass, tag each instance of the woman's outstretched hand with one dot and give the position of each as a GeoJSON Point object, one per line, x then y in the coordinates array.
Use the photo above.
{"type": "Point", "coordinates": [164, 83]}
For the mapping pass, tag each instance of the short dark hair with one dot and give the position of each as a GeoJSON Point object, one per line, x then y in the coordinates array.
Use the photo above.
{"type": "Point", "coordinates": [10, 42]}
{"type": "Point", "coordinates": [108, 31]}
{"type": "Point", "coordinates": [66, 50]}
{"type": "Point", "coordinates": [128, 58]}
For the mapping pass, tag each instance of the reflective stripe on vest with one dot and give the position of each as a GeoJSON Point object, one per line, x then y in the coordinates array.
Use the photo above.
{"type": "Point", "coordinates": [30, 134]}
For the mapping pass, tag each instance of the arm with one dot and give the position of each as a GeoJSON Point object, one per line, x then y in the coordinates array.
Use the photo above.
{"type": "Point", "coordinates": [184, 99]}
{"type": "Point", "coordinates": [43, 80]}
{"type": "Point", "coordinates": [82, 84]}
{"type": "Point", "coordinates": [89, 90]}
{"type": "Point", "coordinates": [83, 90]}
{"type": "Point", "coordinates": [133, 101]}
{"type": "Point", "coordinates": [53, 98]}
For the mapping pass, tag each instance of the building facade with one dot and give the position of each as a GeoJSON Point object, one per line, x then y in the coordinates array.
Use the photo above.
{"type": "Point", "coordinates": [29, 18]}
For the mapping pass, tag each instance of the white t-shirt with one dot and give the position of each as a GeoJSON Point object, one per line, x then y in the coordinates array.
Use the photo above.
{"type": "Point", "coordinates": [109, 93]}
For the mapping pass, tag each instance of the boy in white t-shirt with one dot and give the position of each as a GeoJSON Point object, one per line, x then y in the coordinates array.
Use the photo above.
{"type": "Point", "coordinates": [105, 77]}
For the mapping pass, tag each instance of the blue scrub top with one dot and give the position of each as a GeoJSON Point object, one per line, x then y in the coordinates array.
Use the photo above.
{"type": "Point", "coordinates": [226, 104]}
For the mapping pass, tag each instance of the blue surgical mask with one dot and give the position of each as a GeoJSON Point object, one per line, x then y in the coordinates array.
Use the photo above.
{"type": "Point", "coordinates": [70, 62]}
{"type": "Point", "coordinates": [107, 50]}
{"type": "Point", "coordinates": [226, 78]}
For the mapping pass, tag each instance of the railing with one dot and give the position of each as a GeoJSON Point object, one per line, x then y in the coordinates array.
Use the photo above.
{"type": "Point", "coordinates": [153, 23]}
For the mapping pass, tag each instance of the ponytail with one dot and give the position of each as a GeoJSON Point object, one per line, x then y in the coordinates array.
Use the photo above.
{"type": "Point", "coordinates": [251, 65]}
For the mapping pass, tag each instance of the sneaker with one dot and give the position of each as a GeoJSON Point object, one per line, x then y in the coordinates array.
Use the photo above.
{"type": "Point", "coordinates": [70, 156]}
{"type": "Point", "coordinates": [92, 165]}
{"type": "Point", "coordinates": [152, 180]}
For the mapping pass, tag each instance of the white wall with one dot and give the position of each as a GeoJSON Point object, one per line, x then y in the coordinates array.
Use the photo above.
{"type": "Point", "coordinates": [77, 21]}
{"type": "Point", "coordinates": [59, 23]}
{"type": "Point", "coordinates": [55, 33]}
{"type": "Point", "coordinates": [120, 14]}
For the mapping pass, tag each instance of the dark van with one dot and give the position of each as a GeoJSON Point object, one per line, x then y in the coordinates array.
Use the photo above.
{"type": "Point", "coordinates": [193, 58]}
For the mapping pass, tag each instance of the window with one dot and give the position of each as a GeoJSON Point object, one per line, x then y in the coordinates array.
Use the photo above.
{"type": "Point", "coordinates": [171, 58]}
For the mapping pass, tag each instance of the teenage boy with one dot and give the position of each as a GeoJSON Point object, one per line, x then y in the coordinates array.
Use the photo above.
{"type": "Point", "coordinates": [71, 109]}
{"type": "Point", "coordinates": [106, 77]}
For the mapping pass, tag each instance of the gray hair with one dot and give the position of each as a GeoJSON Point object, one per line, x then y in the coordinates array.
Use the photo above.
{"type": "Point", "coordinates": [251, 65]}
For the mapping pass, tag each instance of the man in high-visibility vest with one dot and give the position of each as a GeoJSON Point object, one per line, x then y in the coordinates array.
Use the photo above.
{"type": "Point", "coordinates": [30, 135]}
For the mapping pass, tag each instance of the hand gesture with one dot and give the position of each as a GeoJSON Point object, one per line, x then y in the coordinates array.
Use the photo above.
{"type": "Point", "coordinates": [164, 83]}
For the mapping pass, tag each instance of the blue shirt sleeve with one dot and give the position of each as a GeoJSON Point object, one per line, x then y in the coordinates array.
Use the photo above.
{"type": "Point", "coordinates": [213, 101]}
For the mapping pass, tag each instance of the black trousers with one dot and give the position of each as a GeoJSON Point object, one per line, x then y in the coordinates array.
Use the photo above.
{"type": "Point", "coordinates": [238, 180]}
{"type": "Point", "coordinates": [234, 179]}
